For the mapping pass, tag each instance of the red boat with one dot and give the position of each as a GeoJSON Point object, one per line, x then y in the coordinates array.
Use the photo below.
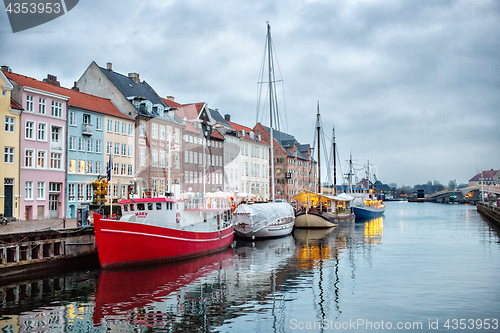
{"type": "Point", "coordinates": [161, 229]}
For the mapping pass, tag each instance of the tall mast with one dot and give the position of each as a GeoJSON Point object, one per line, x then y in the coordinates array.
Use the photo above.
{"type": "Point", "coordinates": [271, 106]}
{"type": "Point", "coordinates": [334, 165]}
{"type": "Point", "coordinates": [318, 127]}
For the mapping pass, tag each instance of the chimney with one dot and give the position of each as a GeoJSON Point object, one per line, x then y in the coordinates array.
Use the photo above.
{"type": "Point", "coordinates": [171, 98]}
{"type": "Point", "coordinates": [109, 66]}
{"type": "Point", "coordinates": [75, 88]}
{"type": "Point", "coordinates": [227, 117]}
{"type": "Point", "coordinates": [52, 79]}
{"type": "Point", "coordinates": [134, 77]}
{"type": "Point", "coordinates": [6, 69]}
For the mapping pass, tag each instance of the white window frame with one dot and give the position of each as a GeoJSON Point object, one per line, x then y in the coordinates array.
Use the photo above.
{"type": "Point", "coordinates": [40, 190]}
{"type": "Point", "coordinates": [9, 155]}
{"type": "Point", "coordinates": [30, 103]}
{"type": "Point", "coordinates": [10, 124]}
{"type": "Point", "coordinates": [98, 124]}
{"type": "Point", "coordinates": [28, 190]}
{"type": "Point", "coordinates": [44, 132]}
{"type": "Point", "coordinates": [72, 118]}
{"type": "Point", "coordinates": [31, 158]}
{"type": "Point", "coordinates": [31, 129]}
{"type": "Point", "coordinates": [56, 110]}
{"type": "Point", "coordinates": [42, 105]}
{"type": "Point", "coordinates": [44, 159]}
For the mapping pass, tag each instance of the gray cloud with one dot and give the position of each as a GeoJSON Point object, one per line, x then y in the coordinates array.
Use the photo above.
{"type": "Point", "coordinates": [413, 86]}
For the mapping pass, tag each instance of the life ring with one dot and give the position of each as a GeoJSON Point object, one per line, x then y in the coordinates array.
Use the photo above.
{"type": "Point", "coordinates": [178, 217]}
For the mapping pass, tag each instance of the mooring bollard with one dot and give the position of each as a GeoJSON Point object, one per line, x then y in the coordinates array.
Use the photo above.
{"type": "Point", "coordinates": [64, 223]}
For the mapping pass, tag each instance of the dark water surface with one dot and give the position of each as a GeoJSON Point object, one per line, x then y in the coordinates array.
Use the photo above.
{"type": "Point", "coordinates": [422, 267]}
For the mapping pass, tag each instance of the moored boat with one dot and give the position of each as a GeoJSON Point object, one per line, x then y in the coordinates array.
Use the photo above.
{"type": "Point", "coordinates": [263, 220]}
{"type": "Point", "coordinates": [161, 229]}
{"type": "Point", "coordinates": [315, 210]}
{"type": "Point", "coordinates": [366, 205]}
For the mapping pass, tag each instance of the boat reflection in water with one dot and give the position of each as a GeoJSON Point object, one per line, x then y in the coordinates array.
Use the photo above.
{"type": "Point", "coordinates": [373, 230]}
{"type": "Point", "coordinates": [156, 297]}
{"type": "Point", "coordinates": [318, 254]}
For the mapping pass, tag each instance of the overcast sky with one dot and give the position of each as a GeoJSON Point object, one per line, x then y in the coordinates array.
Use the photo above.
{"type": "Point", "coordinates": [411, 86]}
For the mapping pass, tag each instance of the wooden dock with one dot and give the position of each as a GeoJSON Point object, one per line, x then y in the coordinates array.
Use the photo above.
{"type": "Point", "coordinates": [24, 253]}
{"type": "Point", "coordinates": [490, 211]}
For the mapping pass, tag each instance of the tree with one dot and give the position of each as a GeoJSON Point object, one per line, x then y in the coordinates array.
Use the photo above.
{"type": "Point", "coordinates": [452, 185]}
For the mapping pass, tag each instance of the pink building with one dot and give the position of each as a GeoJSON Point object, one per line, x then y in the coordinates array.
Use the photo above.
{"type": "Point", "coordinates": [42, 147]}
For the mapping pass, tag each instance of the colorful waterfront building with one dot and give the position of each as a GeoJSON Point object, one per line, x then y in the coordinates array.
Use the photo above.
{"type": "Point", "coordinates": [42, 176]}
{"type": "Point", "coordinates": [10, 113]}
{"type": "Point", "coordinates": [158, 129]}
{"type": "Point", "coordinates": [95, 128]}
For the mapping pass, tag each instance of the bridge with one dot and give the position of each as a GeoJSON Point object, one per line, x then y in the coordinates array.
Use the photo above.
{"type": "Point", "coordinates": [467, 194]}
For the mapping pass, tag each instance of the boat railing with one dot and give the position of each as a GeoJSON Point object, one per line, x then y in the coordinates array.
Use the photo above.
{"type": "Point", "coordinates": [206, 203]}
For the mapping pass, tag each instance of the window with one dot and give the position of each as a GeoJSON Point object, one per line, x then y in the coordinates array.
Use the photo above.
{"type": "Point", "coordinates": [142, 156]}
{"type": "Point", "coordinates": [41, 132]}
{"type": "Point", "coordinates": [90, 190]}
{"type": "Point", "coordinates": [41, 159]}
{"type": "Point", "coordinates": [130, 129]}
{"type": "Point", "coordinates": [123, 170]}
{"type": "Point", "coordinates": [162, 132]}
{"type": "Point", "coordinates": [117, 149]}
{"type": "Point", "coordinates": [72, 166]}
{"type": "Point", "coordinates": [116, 168]}
{"type": "Point", "coordinates": [129, 169]}
{"type": "Point", "coordinates": [28, 190]}
{"type": "Point", "coordinates": [109, 127]}
{"type": "Point", "coordinates": [41, 106]}
{"type": "Point", "coordinates": [9, 155]}
{"type": "Point", "coordinates": [29, 103]}
{"type": "Point", "coordinates": [177, 135]}
{"type": "Point", "coordinates": [89, 167]}
{"type": "Point", "coordinates": [71, 192]}
{"type": "Point", "coordinates": [72, 118]}
{"type": "Point", "coordinates": [28, 161]}
{"type": "Point", "coordinates": [186, 156]}
{"type": "Point", "coordinates": [98, 124]}
{"type": "Point", "coordinates": [41, 190]}
{"type": "Point", "coordinates": [177, 160]}
{"type": "Point", "coordinates": [55, 133]}
{"type": "Point", "coordinates": [98, 146]}
{"type": "Point", "coordinates": [57, 109]}
{"type": "Point", "coordinates": [90, 145]}
{"type": "Point", "coordinates": [162, 158]}
{"type": "Point", "coordinates": [98, 167]}
{"type": "Point", "coordinates": [86, 119]}
{"type": "Point", "coordinates": [9, 124]}
{"type": "Point", "coordinates": [124, 128]}
{"type": "Point", "coordinates": [142, 128]}
{"type": "Point", "coordinates": [154, 131]}
{"type": "Point", "coordinates": [154, 154]}
{"type": "Point", "coordinates": [109, 147]}
{"type": "Point", "coordinates": [29, 130]}
{"type": "Point", "coordinates": [130, 150]}
{"type": "Point", "coordinates": [72, 143]}
{"type": "Point", "coordinates": [81, 191]}
{"type": "Point", "coordinates": [55, 160]}
{"type": "Point", "coordinates": [81, 166]}
{"type": "Point", "coordinates": [81, 144]}
{"type": "Point", "coordinates": [124, 149]}
{"type": "Point", "coordinates": [117, 127]}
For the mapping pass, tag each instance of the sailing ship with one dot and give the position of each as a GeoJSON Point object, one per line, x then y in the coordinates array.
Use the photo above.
{"type": "Point", "coordinates": [317, 210]}
{"type": "Point", "coordinates": [270, 219]}
{"type": "Point", "coordinates": [365, 204]}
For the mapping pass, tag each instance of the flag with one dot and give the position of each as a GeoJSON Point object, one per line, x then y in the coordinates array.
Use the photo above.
{"type": "Point", "coordinates": [110, 168]}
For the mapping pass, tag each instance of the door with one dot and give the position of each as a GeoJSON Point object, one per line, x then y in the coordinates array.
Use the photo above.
{"type": "Point", "coordinates": [53, 205]}
{"type": "Point", "coordinates": [8, 200]}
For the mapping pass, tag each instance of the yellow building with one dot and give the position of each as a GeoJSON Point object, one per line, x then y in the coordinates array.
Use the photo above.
{"type": "Point", "coordinates": [10, 114]}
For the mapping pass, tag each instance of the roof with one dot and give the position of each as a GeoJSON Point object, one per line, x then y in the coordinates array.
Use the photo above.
{"type": "Point", "coordinates": [486, 174]}
{"type": "Point", "coordinates": [15, 105]}
{"type": "Point", "coordinates": [129, 88]}
{"type": "Point", "coordinates": [217, 117]}
{"type": "Point", "coordinates": [171, 103]}
{"type": "Point", "coordinates": [76, 98]}
{"type": "Point", "coordinates": [238, 127]}
{"type": "Point", "coordinates": [287, 141]}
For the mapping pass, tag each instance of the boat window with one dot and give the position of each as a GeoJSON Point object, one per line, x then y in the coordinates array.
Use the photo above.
{"type": "Point", "coordinates": [140, 206]}
{"type": "Point", "coordinates": [158, 206]}
{"type": "Point", "coordinates": [125, 208]}
{"type": "Point", "coordinates": [169, 206]}
{"type": "Point", "coordinates": [150, 206]}
{"type": "Point", "coordinates": [132, 208]}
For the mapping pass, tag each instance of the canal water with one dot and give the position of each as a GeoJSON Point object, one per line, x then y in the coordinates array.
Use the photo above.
{"type": "Point", "coordinates": [422, 267]}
